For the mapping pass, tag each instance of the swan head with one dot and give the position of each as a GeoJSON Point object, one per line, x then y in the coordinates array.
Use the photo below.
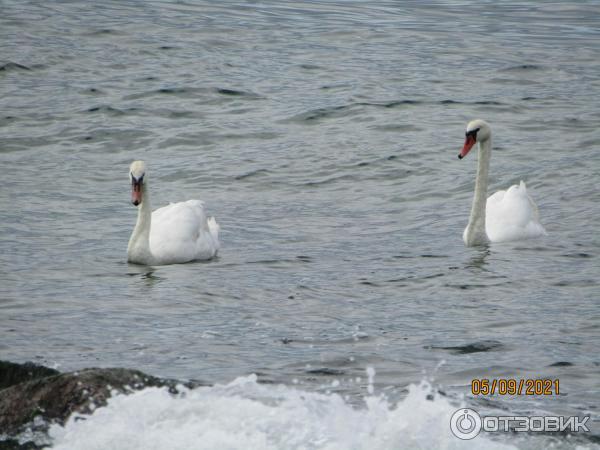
{"type": "Point", "coordinates": [137, 171]}
{"type": "Point", "coordinates": [477, 131]}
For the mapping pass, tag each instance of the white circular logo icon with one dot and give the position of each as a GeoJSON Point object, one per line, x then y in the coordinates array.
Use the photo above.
{"type": "Point", "coordinates": [465, 423]}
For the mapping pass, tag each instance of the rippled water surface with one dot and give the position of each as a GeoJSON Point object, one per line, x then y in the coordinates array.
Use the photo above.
{"type": "Point", "coordinates": [323, 137]}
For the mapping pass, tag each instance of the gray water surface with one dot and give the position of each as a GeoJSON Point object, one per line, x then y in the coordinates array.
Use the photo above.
{"type": "Point", "coordinates": [323, 137]}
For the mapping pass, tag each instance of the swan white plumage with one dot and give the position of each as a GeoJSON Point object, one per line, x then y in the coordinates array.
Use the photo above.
{"type": "Point", "coordinates": [177, 233]}
{"type": "Point", "coordinates": [506, 215]}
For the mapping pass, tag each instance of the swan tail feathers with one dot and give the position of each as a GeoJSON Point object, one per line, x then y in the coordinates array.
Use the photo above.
{"type": "Point", "coordinates": [539, 229]}
{"type": "Point", "coordinates": [534, 208]}
{"type": "Point", "coordinates": [214, 228]}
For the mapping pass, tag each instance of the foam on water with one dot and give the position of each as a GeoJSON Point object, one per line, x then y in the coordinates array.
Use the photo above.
{"type": "Point", "coordinates": [248, 415]}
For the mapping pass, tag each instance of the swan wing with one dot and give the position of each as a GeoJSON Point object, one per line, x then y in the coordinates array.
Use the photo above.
{"type": "Point", "coordinates": [512, 215]}
{"type": "Point", "coordinates": [182, 232]}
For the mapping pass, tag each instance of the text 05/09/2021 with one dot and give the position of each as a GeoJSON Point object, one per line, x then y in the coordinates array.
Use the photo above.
{"type": "Point", "coordinates": [513, 386]}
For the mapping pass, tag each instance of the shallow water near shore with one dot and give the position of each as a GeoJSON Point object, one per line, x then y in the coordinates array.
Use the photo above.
{"type": "Point", "coordinates": [323, 137]}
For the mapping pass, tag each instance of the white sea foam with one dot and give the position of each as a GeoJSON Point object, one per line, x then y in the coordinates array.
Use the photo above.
{"type": "Point", "coordinates": [246, 415]}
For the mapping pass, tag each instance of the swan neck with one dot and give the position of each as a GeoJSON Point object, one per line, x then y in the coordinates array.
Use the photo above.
{"type": "Point", "coordinates": [475, 233]}
{"type": "Point", "coordinates": [138, 250]}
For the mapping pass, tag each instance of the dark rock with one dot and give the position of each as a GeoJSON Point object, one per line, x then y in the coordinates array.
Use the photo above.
{"type": "Point", "coordinates": [56, 396]}
{"type": "Point", "coordinates": [12, 444]}
{"type": "Point", "coordinates": [12, 373]}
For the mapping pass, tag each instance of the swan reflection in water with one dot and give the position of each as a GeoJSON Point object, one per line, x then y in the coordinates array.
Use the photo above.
{"type": "Point", "coordinates": [147, 274]}
{"type": "Point", "coordinates": [477, 261]}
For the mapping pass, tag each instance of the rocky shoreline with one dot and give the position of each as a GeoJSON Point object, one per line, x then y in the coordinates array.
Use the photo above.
{"type": "Point", "coordinates": [32, 397]}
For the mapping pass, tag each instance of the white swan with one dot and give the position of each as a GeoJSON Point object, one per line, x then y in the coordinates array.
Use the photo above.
{"type": "Point", "coordinates": [507, 215]}
{"type": "Point", "coordinates": [177, 233]}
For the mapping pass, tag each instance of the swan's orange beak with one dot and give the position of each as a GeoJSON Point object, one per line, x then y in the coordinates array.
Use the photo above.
{"type": "Point", "coordinates": [469, 143]}
{"type": "Point", "coordinates": [136, 193]}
